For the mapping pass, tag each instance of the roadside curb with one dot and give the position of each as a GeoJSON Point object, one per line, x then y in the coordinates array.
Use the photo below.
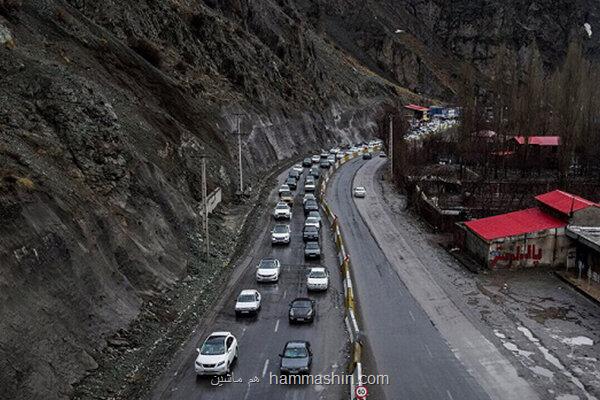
{"type": "Point", "coordinates": [345, 265]}
{"type": "Point", "coordinates": [576, 288]}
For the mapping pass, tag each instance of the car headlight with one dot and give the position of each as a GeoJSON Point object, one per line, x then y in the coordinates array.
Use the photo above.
{"type": "Point", "coordinates": [220, 363]}
{"type": "Point", "coordinates": [309, 313]}
{"type": "Point", "coordinates": [291, 313]}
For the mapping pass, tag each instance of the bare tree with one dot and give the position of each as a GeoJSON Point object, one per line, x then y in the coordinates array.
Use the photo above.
{"type": "Point", "coordinates": [566, 88]}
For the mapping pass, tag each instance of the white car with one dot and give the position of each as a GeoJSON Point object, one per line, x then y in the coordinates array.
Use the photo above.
{"type": "Point", "coordinates": [308, 196]}
{"type": "Point", "coordinates": [282, 211]}
{"type": "Point", "coordinates": [217, 354]}
{"type": "Point", "coordinates": [359, 191]}
{"type": "Point", "coordinates": [298, 168]}
{"type": "Point", "coordinates": [312, 221]}
{"type": "Point", "coordinates": [280, 234]}
{"type": "Point", "coordinates": [331, 159]}
{"type": "Point", "coordinates": [268, 270]}
{"type": "Point", "coordinates": [339, 156]}
{"type": "Point", "coordinates": [284, 188]}
{"type": "Point", "coordinates": [335, 150]}
{"type": "Point", "coordinates": [317, 279]}
{"type": "Point", "coordinates": [248, 302]}
{"type": "Point", "coordinates": [309, 186]}
{"type": "Point", "coordinates": [315, 159]}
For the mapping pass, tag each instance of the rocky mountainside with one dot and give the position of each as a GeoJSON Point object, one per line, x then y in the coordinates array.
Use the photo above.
{"type": "Point", "coordinates": [107, 107]}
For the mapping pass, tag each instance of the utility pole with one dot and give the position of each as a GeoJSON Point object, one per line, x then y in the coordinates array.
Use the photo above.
{"type": "Point", "coordinates": [391, 149]}
{"type": "Point", "coordinates": [239, 135]}
{"type": "Point", "coordinates": [205, 211]}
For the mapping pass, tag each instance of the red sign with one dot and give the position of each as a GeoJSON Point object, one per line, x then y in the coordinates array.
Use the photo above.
{"type": "Point", "coordinates": [361, 392]}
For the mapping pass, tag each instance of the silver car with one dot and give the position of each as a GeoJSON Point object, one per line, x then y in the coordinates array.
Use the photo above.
{"type": "Point", "coordinates": [359, 191]}
{"type": "Point", "coordinates": [280, 234]}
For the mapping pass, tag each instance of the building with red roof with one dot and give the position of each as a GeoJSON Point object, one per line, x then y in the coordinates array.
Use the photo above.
{"type": "Point", "coordinates": [420, 112]}
{"type": "Point", "coordinates": [415, 107]}
{"type": "Point", "coordinates": [531, 237]}
{"type": "Point", "coordinates": [538, 140]}
{"type": "Point", "coordinates": [563, 203]}
{"type": "Point", "coordinates": [514, 224]}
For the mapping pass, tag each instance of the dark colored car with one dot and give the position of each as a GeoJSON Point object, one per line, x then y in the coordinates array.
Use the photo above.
{"type": "Point", "coordinates": [307, 163]}
{"type": "Point", "coordinates": [314, 171]}
{"type": "Point", "coordinates": [296, 358]}
{"type": "Point", "coordinates": [310, 233]}
{"type": "Point", "coordinates": [324, 164]}
{"type": "Point", "coordinates": [302, 309]}
{"type": "Point", "coordinates": [312, 250]}
{"type": "Point", "coordinates": [367, 156]}
{"type": "Point", "coordinates": [309, 206]}
{"type": "Point", "coordinates": [294, 174]}
{"type": "Point", "coordinates": [292, 183]}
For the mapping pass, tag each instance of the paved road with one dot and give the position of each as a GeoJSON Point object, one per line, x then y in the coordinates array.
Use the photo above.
{"type": "Point", "coordinates": [405, 343]}
{"type": "Point", "coordinates": [263, 338]}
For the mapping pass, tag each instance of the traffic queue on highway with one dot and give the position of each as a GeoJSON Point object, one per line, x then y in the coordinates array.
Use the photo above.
{"type": "Point", "coordinates": [219, 351]}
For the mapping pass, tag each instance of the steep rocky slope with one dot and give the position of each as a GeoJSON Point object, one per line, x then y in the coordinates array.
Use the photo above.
{"type": "Point", "coordinates": [107, 107]}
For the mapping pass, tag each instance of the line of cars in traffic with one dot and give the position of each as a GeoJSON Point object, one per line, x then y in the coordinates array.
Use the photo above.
{"type": "Point", "coordinates": [220, 351]}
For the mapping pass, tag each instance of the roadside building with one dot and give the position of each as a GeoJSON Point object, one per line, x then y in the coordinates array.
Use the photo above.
{"type": "Point", "coordinates": [584, 230]}
{"type": "Point", "coordinates": [527, 238]}
{"type": "Point", "coordinates": [436, 111]}
{"type": "Point", "coordinates": [538, 150]}
{"type": "Point", "coordinates": [420, 113]}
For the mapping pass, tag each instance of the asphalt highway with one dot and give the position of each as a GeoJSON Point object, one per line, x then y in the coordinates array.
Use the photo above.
{"type": "Point", "coordinates": [261, 339]}
{"type": "Point", "coordinates": [404, 343]}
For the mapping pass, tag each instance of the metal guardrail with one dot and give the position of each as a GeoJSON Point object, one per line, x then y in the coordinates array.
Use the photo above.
{"type": "Point", "coordinates": [355, 364]}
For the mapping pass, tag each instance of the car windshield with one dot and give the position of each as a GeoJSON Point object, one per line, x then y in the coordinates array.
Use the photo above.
{"type": "Point", "coordinates": [312, 245]}
{"type": "Point", "coordinates": [301, 304]}
{"type": "Point", "coordinates": [246, 298]}
{"type": "Point", "coordinates": [317, 274]}
{"type": "Point", "coordinates": [213, 346]}
{"type": "Point", "coordinates": [286, 193]}
{"type": "Point", "coordinates": [310, 228]}
{"type": "Point", "coordinates": [314, 214]}
{"type": "Point", "coordinates": [280, 229]}
{"type": "Point", "coordinates": [267, 264]}
{"type": "Point", "coordinates": [311, 220]}
{"type": "Point", "coordinates": [282, 206]}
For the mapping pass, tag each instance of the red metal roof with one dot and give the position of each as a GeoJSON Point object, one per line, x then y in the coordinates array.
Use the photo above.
{"type": "Point", "coordinates": [514, 224]}
{"type": "Point", "coordinates": [415, 107]}
{"type": "Point", "coordinates": [539, 140]}
{"type": "Point", "coordinates": [564, 202]}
